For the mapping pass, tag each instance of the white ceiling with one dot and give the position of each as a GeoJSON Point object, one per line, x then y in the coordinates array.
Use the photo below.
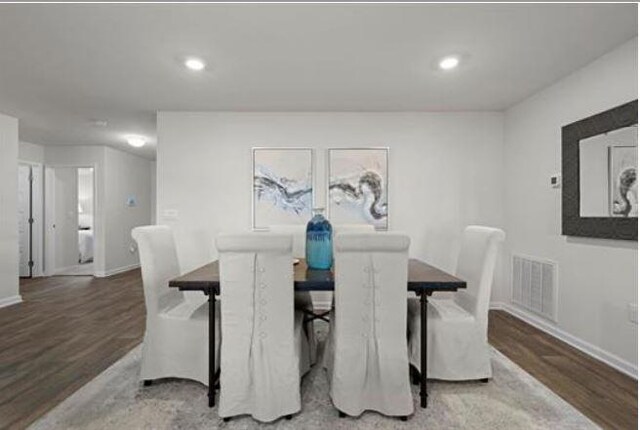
{"type": "Point", "coordinates": [63, 65]}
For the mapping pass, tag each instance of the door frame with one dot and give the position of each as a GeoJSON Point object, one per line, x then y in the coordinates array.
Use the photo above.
{"type": "Point", "coordinates": [49, 207]}
{"type": "Point", "coordinates": [37, 213]}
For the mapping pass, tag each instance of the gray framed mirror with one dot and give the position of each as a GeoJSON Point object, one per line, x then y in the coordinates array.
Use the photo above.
{"type": "Point", "coordinates": [599, 175]}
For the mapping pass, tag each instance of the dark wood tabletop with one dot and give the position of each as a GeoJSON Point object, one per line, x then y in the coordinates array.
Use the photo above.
{"type": "Point", "coordinates": [422, 276]}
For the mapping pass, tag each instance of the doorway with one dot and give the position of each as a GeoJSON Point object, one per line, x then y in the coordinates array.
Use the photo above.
{"type": "Point", "coordinates": [70, 211]}
{"type": "Point", "coordinates": [85, 220]}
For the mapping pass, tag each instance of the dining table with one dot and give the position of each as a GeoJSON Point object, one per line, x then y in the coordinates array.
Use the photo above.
{"type": "Point", "coordinates": [423, 280]}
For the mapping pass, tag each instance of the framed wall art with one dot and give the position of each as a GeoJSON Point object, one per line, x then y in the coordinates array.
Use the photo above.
{"type": "Point", "coordinates": [358, 186]}
{"type": "Point", "coordinates": [282, 186]}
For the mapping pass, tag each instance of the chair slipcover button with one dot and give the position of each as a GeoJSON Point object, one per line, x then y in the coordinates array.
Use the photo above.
{"type": "Point", "coordinates": [263, 285]}
{"type": "Point", "coordinates": [263, 302]}
{"type": "Point", "coordinates": [263, 335]}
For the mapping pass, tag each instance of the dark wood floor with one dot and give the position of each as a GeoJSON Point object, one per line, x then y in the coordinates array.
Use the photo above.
{"type": "Point", "coordinates": [606, 396]}
{"type": "Point", "coordinates": [69, 329]}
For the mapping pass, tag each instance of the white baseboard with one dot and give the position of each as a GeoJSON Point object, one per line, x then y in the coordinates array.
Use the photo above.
{"type": "Point", "coordinates": [65, 271]}
{"type": "Point", "coordinates": [498, 306]}
{"type": "Point", "coordinates": [111, 272]}
{"type": "Point", "coordinates": [630, 369]}
{"type": "Point", "coordinates": [13, 300]}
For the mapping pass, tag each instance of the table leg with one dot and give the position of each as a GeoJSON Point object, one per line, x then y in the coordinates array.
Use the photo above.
{"type": "Point", "coordinates": [212, 349]}
{"type": "Point", "coordinates": [423, 349]}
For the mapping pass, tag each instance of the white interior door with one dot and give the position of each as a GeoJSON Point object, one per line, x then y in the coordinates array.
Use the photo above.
{"type": "Point", "coordinates": [49, 221]}
{"type": "Point", "coordinates": [24, 219]}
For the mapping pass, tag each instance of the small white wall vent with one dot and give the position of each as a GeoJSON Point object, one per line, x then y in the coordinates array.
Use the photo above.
{"type": "Point", "coordinates": [534, 284]}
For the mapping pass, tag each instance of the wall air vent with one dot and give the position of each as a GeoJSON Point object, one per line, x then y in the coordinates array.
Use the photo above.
{"type": "Point", "coordinates": [534, 284]}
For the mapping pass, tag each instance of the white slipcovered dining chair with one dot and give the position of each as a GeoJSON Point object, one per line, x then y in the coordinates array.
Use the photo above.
{"type": "Point", "coordinates": [303, 299]}
{"type": "Point", "coordinates": [366, 355]}
{"type": "Point", "coordinates": [457, 347]}
{"type": "Point", "coordinates": [176, 338]}
{"type": "Point", "coordinates": [262, 358]}
{"type": "Point", "coordinates": [297, 233]}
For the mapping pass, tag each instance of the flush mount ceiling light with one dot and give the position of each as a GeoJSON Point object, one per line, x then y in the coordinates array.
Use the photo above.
{"type": "Point", "coordinates": [449, 62]}
{"type": "Point", "coordinates": [193, 63]}
{"type": "Point", "coordinates": [98, 123]}
{"type": "Point", "coordinates": [136, 141]}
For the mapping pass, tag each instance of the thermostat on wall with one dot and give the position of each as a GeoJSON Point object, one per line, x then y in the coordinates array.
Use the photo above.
{"type": "Point", "coordinates": [556, 180]}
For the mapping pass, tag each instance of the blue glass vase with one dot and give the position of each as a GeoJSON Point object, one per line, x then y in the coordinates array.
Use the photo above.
{"type": "Point", "coordinates": [319, 247]}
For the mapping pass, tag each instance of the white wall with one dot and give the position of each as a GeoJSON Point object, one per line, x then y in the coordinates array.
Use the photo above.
{"type": "Point", "coordinates": [66, 212]}
{"type": "Point", "coordinates": [154, 206]}
{"type": "Point", "coordinates": [9, 292]}
{"type": "Point", "coordinates": [87, 156]}
{"type": "Point", "coordinates": [445, 171]}
{"type": "Point", "coordinates": [118, 175]}
{"type": "Point", "coordinates": [597, 278]}
{"type": "Point", "coordinates": [127, 176]}
{"type": "Point", "coordinates": [31, 152]}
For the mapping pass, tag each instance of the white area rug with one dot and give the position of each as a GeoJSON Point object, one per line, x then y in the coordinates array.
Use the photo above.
{"type": "Point", "coordinates": [117, 400]}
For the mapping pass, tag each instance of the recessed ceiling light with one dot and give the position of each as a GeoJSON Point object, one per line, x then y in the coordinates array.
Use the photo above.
{"type": "Point", "coordinates": [136, 141]}
{"type": "Point", "coordinates": [449, 62]}
{"type": "Point", "coordinates": [194, 63]}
